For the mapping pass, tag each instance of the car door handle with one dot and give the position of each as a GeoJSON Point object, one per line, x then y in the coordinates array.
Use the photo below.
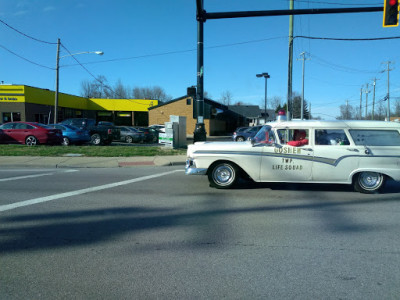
{"type": "Point", "coordinates": [354, 150]}
{"type": "Point", "coordinates": [306, 149]}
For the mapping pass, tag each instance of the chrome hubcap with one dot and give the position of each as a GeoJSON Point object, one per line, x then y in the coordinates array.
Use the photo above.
{"type": "Point", "coordinates": [370, 180]}
{"type": "Point", "coordinates": [223, 174]}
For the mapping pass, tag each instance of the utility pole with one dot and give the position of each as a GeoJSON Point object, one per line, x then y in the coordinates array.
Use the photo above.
{"type": "Point", "coordinates": [290, 64]}
{"type": "Point", "coordinates": [57, 81]}
{"type": "Point", "coordinates": [373, 99]}
{"type": "Point", "coordinates": [388, 94]}
{"type": "Point", "coordinates": [366, 91]}
{"type": "Point", "coordinates": [361, 92]}
{"type": "Point", "coordinates": [302, 54]}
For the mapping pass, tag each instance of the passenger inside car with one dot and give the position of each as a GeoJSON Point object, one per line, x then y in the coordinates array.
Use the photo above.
{"type": "Point", "coordinates": [299, 138]}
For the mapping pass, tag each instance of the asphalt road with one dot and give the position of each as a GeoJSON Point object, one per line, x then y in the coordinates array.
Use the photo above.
{"type": "Point", "coordinates": [155, 233]}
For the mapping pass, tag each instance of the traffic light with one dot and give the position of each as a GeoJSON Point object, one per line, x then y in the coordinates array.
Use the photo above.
{"type": "Point", "coordinates": [391, 13]}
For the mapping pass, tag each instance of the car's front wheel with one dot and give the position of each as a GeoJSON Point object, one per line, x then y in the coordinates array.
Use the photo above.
{"type": "Point", "coordinates": [129, 139]}
{"type": "Point", "coordinates": [31, 141]}
{"type": "Point", "coordinates": [369, 182]}
{"type": "Point", "coordinates": [65, 141]}
{"type": "Point", "coordinates": [240, 139]}
{"type": "Point", "coordinates": [95, 139]}
{"type": "Point", "coordinates": [223, 175]}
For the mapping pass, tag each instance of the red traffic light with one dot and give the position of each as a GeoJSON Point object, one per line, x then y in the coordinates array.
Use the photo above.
{"type": "Point", "coordinates": [391, 13]}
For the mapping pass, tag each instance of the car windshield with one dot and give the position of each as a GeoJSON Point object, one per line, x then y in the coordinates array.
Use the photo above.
{"type": "Point", "coordinates": [264, 135]}
{"type": "Point", "coordinates": [71, 127]}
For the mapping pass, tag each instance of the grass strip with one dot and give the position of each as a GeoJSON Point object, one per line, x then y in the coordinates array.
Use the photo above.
{"type": "Point", "coordinates": [94, 151]}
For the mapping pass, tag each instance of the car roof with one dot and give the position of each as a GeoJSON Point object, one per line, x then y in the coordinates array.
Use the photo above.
{"type": "Point", "coordinates": [352, 124]}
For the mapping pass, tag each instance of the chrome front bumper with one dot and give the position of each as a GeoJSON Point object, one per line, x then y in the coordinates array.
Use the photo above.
{"type": "Point", "coordinates": [191, 169]}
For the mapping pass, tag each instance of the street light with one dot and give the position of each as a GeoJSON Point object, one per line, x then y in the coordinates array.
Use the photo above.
{"type": "Point", "coordinates": [58, 70]}
{"type": "Point", "coordinates": [266, 76]}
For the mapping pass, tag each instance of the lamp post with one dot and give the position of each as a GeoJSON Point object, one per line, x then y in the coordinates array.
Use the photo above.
{"type": "Point", "coordinates": [266, 76]}
{"type": "Point", "coordinates": [58, 71]}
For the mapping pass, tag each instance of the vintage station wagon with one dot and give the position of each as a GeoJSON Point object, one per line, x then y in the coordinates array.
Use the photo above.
{"type": "Point", "coordinates": [361, 153]}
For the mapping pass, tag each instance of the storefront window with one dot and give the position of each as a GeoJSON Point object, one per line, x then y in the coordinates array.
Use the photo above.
{"type": "Point", "coordinates": [11, 117]}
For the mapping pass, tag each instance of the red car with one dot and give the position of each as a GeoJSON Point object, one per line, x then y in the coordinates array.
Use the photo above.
{"type": "Point", "coordinates": [30, 133]}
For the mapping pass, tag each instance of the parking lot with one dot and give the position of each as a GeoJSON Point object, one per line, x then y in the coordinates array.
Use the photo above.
{"type": "Point", "coordinates": [153, 232]}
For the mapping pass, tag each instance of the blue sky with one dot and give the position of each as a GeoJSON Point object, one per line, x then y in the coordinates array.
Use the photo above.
{"type": "Point", "coordinates": [153, 43]}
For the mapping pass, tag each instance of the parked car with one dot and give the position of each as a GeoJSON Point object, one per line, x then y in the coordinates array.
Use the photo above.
{"type": "Point", "coordinates": [150, 134]}
{"type": "Point", "coordinates": [358, 153]}
{"type": "Point", "coordinates": [100, 134]}
{"type": "Point", "coordinates": [30, 133]}
{"type": "Point", "coordinates": [72, 134]}
{"type": "Point", "coordinates": [131, 135]}
{"type": "Point", "coordinates": [236, 136]}
{"type": "Point", "coordinates": [246, 133]}
{"type": "Point", "coordinates": [158, 127]}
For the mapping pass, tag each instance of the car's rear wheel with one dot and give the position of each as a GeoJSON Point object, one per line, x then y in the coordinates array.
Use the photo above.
{"type": "Point", "coordinates": [65, 141]}
{"type": "Point", "coordinates": [369, 182]}
{"type": "Point", "coordinates": [240, 139]}
{"type": "Point", "coordinates": [95, 139]}
{"type": "Point", "coordinates": [223, 175]}
{"type": "Point", "coordinates": [31, 141]}
{"type": "Point", "coordinates": [129, 139]}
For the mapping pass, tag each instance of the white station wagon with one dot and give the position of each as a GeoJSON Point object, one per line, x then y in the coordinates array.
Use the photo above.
{"type": "Point", "coordinates": [361, 153]}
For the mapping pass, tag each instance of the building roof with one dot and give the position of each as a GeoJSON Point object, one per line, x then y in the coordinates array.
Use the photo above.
{"type": "Point", "coordinates": [206, 100]}
{"type": "Point", "coordinates": [248, 111]}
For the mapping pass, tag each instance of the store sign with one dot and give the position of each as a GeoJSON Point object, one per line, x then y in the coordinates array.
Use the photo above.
{"type": "Point", "coordinates": [8, 98]}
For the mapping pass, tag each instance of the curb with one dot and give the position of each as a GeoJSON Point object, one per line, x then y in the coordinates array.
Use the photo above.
{"type": "Point", "coordinates": [90, 162]}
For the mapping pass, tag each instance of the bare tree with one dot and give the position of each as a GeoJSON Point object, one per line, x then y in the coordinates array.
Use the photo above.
{"type": "Point", "coordinates": [98, 88]}
{"type": "Point", "coordinates": [397, 108]}
{"type": "Point", "coordinates": [347, 112]}
{"type": "Point", "coordinates": [155, 93]}
{"type": "Point", "coordinates": [275, 102]}
{"type": "Point", "coordinates": [120, 91]}
{"type": "Point", "coordinates": [226, 98]}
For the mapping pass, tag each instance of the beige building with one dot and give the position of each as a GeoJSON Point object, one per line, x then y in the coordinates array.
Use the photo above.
{"type": "Point", "coordinates": [218, 119]}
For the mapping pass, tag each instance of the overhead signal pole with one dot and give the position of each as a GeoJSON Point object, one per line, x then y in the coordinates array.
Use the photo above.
{"type": "Point", "coordinates": [202, 16]}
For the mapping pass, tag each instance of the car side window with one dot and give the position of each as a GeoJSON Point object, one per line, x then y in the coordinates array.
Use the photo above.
{"type": "Point", "coordinates": [366, 137]}
{"type": "Point", "coordinates": [8, 126]}
{"type": "Point", "coordinates": [331, 137]}
{"type": "Point", "coordinates": [294, 137]}
{"type": "Point", "coordinates": [22, 126]}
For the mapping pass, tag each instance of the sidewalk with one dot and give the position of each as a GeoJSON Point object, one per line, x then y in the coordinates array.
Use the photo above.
{"type": "Point", "coordinates": [90, 162]}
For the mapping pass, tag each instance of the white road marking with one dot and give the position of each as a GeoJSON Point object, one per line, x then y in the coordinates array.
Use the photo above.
{"type": "Point", "coordinates": [80, 192]}
{"type": "Point", "coordinates": [35, 175]}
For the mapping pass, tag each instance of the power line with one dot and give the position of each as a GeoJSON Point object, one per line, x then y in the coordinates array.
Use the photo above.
{"type": "Point", "coordinates": [23, 58]}
{"type": "Point", "coordinates": [80, 63]}
{"type": "Point", "coordinates": [25, 35]}
{"type": "Point", "coordinates": [346, 39]}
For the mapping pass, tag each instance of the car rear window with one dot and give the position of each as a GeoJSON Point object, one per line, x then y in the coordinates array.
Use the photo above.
{"type": "Point", "coordinates": [375, 137]}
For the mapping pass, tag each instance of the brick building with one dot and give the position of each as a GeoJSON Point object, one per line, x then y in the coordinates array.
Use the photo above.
{"type": "Point", "coordinates": [218, 118]}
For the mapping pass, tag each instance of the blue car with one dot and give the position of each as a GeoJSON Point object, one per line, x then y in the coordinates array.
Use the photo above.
{"type": "Point", "coordinates": [72, 134]}
{"type": "Point", "coordinates": [244, 133]}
